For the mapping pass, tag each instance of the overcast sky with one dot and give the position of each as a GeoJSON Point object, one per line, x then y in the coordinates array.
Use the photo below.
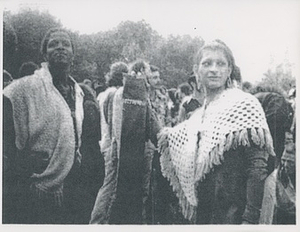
{"type": "Point", "coordinates": [261, 33]}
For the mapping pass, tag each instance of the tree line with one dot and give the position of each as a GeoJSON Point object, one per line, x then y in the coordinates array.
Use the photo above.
{"type": "Point", "coordinates": [94, 53]}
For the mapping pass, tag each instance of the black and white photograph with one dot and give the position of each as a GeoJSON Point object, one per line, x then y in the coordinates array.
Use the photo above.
{"type": "Point", "coordinates": [149, 115]}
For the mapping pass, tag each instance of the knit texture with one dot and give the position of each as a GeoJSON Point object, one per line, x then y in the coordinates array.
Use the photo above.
{"type": "Point", "coordinates": [191, 149]}
{"type": "Point", "coordinates": [44, 129]}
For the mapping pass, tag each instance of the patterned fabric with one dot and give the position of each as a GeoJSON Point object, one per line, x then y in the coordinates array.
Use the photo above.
{"type": "Point", "coordinates": [191, 149]}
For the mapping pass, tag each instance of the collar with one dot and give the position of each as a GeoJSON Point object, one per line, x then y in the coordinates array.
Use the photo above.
{"type": "Point", "coordinates": [78, 90]}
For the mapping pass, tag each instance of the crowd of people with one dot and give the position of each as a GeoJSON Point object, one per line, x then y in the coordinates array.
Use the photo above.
{"type": "Point", "coordinates": [135, 152]}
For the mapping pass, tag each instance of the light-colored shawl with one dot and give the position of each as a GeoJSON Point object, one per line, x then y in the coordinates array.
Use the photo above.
{"type": "Point", "coordinates": [44, 128]}
{"type": "Point", "coordinates": [191, 149]}
{"type": "Point", "coordinates": [105, 123]}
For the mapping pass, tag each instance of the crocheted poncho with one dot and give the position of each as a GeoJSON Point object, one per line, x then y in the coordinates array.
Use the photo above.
{"type": "Point", "coordinates": [191, 149]}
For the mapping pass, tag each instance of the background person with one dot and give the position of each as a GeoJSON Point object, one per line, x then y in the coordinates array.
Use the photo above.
{"type": "Point", "coordinates": [105, 99]}
{"type": "Point", "coordinates": [279, 115]}
{"type": "Point", "coordinates": [122, 198]}
{"type": "Point", "coordinates": [158, 96]}
{"type": "Point", "coordinates": [27, 69]}
{"type": "Point", "coordinates": [87, 82]}
{"type": "Point", "coordinates": [188, 104]}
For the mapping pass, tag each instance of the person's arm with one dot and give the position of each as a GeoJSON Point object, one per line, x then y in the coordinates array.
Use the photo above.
{"type": "Point", "coordinates": [257, 172]}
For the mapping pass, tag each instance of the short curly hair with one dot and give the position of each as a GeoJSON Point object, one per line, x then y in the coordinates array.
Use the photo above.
{"type": "Point", "coordinates": [48, 35]}
{"type": "Point", "coordinates": [116, 73]}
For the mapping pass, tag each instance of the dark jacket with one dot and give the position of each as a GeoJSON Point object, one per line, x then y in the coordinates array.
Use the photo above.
{"type": "Point", "coordinates": [232, 193]}
{"type": "Point", "coordinates": [91, 173]}
{"type": "Point", "coordinates": [279, 118]}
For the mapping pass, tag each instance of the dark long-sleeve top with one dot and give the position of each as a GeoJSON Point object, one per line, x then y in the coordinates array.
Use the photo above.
{"type": "Point", "coordinates": [233, 192]}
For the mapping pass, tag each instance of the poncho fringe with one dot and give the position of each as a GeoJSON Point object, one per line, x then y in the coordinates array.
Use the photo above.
{"type": "Point", "coordinates": [168, 170]}
{"type": "Point", "coordinates": [259, 136]}
{"type": "Point", "coordinates": [193, 148]}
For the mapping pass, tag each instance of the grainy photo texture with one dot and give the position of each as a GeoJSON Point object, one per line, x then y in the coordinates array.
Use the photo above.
{"type": "Point", "coordinates": [149, 112]}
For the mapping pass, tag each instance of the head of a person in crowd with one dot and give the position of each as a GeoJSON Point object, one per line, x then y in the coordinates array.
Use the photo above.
{"type": "Point", "coordinates": [89, 93]}
{"type": "Point", "coordinates": [247, 86]}
{"type": "Point", "coordinates": [213, 66]}
{"type": "Point", "coordinates": [58, 48]}
{"type": "Point", "coordinates": [99, 85]}
{"type": "Point", "coordinates": [263, 88]}
{"type": "Point", "coordinates": [154, 79]}
{"type": "Point", "coordinates": [27, 69]}
{"type": "Point", "coordinates": [183, 90]}
{"type": "Point", "coordinates": [116, 74]}
{"type": "Point", "coordinates": [88, 82]}
{"type": "Point", "coordinates": [7, 78]}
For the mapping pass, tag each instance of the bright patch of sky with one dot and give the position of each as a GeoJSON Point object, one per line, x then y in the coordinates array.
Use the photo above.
{"type": "Point", "coordinates": [261, 33]}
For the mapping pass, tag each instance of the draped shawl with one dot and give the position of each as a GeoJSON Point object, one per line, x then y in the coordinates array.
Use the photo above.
{"type": "Point", "coordinates": [191, 149]}
{"type": "Point", "coordinates": [44, 129]}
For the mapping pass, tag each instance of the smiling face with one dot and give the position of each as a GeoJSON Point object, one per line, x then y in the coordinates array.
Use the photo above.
{"type": "Point", "coordinates": [213, 69]}
{"type": "Point", "coordinates": [59, 49]}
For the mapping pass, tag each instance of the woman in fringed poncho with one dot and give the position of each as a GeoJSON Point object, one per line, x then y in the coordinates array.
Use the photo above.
{"type": "Point", "coordinates": [216, 162]}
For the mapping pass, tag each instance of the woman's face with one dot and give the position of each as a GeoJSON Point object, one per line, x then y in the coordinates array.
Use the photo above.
{"type": "Point", "coordinates": [213, 69]}
{"type": "Point", "coordinates": [59, 49]}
